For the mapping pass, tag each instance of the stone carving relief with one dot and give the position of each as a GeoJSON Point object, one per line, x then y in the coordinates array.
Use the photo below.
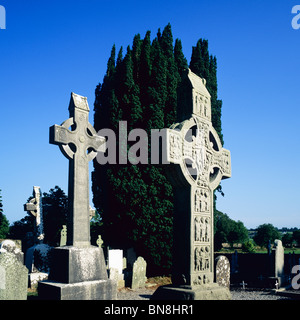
{"type": "Point", "coordinates": [202, 200]}
{"type": "Point", "coordinates": [202, 258]}
{"type": "Point", "coordinates": [175, 150]}
{"type": "Point", "coordinates": [202, 229]}
{"type": "Point", "coordinates": [201, 106]}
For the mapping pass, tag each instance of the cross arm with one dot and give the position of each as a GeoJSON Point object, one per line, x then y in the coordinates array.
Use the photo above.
{"type": "Point", "coordinates": [30, 207]}
{"type": "Point", "coordinates": [174, 145]}
{"type": "Point", "coordinates": [60, 135]}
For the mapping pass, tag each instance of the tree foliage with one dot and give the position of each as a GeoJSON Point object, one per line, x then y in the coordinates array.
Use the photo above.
{"type": "Point", "coordinates": [55, 210]}
{"type": "Point", "coordinates": [4, 223]}
{"type": "Point", "coordinates": [136, 201]}
{"type": "Point", "coordinates": [265, 233]}
{"type": "Point", "coordinates": [228, 230]}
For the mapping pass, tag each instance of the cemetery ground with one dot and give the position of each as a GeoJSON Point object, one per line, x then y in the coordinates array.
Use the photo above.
{"type": "Point", "coordinates": [237, 292]}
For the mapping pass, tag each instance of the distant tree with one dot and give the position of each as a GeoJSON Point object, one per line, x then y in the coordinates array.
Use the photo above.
{"type": "Point", "coordinates": [249, 246]}
{"type": "Point", "coordinates": [4, 223]}
{"type": "Point", "coordinates": [20, 228]}
{"type": "Point", "coordinates": [296, 237]}
{"type": "Point", "coordinates": [96, 227]}
{"type": "Point", "coordinates": [55, 210]}
{"type": "Point", "coordinates": [228, 230]}
{"type": "Point", "coordinates": [266, 232]}
{"type": "Point", "coordinates": [287, 239]}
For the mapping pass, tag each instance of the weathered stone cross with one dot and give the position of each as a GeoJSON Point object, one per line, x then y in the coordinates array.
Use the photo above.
{"type": "Point", "coordinates": [80, 146]}
{"type": "Point", "coordinates": [35, 208]}
{"type": "Point", "coordinates": [197, 164]}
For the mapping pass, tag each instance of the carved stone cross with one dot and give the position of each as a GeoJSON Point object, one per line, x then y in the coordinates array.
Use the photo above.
{"type": "Point", "coordinates": [35, 208]}
{"type": "Point", "coordinates": [197, 164]}
{"type": "Point", "coordinates": [79, 145]}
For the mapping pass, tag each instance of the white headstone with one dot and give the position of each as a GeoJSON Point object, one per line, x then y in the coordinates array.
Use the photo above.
{"type": "Point", "coordinates": [115, 260]}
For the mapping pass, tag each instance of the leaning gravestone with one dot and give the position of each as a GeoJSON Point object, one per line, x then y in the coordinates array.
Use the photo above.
{"type": "Point", "coordinates": [78, 270]}
{"type": "Point", "coordinates": [222, 271]}
{"type": "Point", "coordinates": [13, 278]}
{"type": "Point", "coordinates": [139, 274]}
{"type": "Point", "coordinates": [196, 164]}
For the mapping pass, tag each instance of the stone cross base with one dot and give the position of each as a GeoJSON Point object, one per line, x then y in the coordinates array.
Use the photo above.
{"type": "Point", "coordinates": [205, 292]}
{"type": "Point", "coordinates": [88, 290]}
{"type": "Point", "coordinates": [78, 274]}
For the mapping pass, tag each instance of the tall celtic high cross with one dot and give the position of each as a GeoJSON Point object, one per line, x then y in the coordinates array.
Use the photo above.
{"type": "Point", "coordinates": [79, 145]}
{"type": "Point", "coordinates": [197, 164]}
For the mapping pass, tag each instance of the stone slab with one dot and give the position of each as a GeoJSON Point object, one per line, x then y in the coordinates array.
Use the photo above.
{"type": "Point", "coordinates": [72, 264]}
{"type": "Point", "coordinates": [13, 278]}
{"type": "Point", "coordinates": [209, 292]}
{"type": "Point", "coordinates": [88, 290]}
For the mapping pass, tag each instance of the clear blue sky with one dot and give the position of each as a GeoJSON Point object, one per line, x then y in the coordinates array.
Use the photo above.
{"type": "Point", "coordinates": [51, 48]}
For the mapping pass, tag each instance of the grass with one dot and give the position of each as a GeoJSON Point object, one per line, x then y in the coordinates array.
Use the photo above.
{"type": "Point", "coordinates": [258, 250]}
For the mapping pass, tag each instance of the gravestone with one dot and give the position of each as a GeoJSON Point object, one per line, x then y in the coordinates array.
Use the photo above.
{"type": "Point", "coordinates": [10, 246]}
{"type": "Point", "coordinates": [13, 278]}
{"type": "Point", "coordinates": [63, 236]}
{"type": "Point", "coordinates": [115, 259]}
{"type": "Point", "coordinates": [222, 271]}
{"type": "Point", "coordinates": [115, 266]}
{"type": "Point", "coordinates": [278, 260]}
{"type": "Point", "coordinates": [139, 274]}
{"type": "Point", "coordinates": [99, 241]}
{"type": "Point", "coordinates": [196, 162]}
{"type": "Point", "coordinates": [78, 270]}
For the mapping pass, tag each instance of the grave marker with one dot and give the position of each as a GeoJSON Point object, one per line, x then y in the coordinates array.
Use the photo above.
{"type": "Point", "coordinates": [35, 208]}
{"type": "Point", "coordinates": [222, 271]}
{"type": "Point", "coordinates": [197, 164]}
{"type": "Point", "coordinates": [13, 277]}
{"type": "Point", "coordinates": [79, 146]}
{"type": "Point", "coordinates": [139, 274]}
{"type": "Point", "coordinates": [78, 269]}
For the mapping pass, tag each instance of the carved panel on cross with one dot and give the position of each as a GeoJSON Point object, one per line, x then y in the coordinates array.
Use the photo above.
{"type": "Point", "coordinates": [202, 200]}
{"type": "Point", "coordinates": [202, 265]}
{"type": "Point", "coordinates": [201, 229]}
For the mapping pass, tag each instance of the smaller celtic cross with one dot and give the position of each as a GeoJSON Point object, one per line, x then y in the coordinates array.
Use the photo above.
{"type": "Point", "coordinates": [35, 208]}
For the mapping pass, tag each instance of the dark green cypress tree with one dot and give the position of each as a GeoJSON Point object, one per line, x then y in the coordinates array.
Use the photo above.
{"type": "Point", "coordinates": [205, 66]}
{"type": "Point", "coordinates": [180, 59]}
{"type": "Point", "coordinates": [136, 201]}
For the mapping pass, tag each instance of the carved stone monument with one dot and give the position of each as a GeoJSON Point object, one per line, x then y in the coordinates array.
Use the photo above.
{"type": "Point", "coordinates": [222, 271]}
{"type": "Point", "coordinates": [197, 163]}
{"type": "Point", "coordinates": [139, 274]}
{"type": "Point", "coordinates": [78, 270]}
{"type": "Point", "coordinates": [37, 257]}
{"type": "Point", "coordinates": [34, 207]}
